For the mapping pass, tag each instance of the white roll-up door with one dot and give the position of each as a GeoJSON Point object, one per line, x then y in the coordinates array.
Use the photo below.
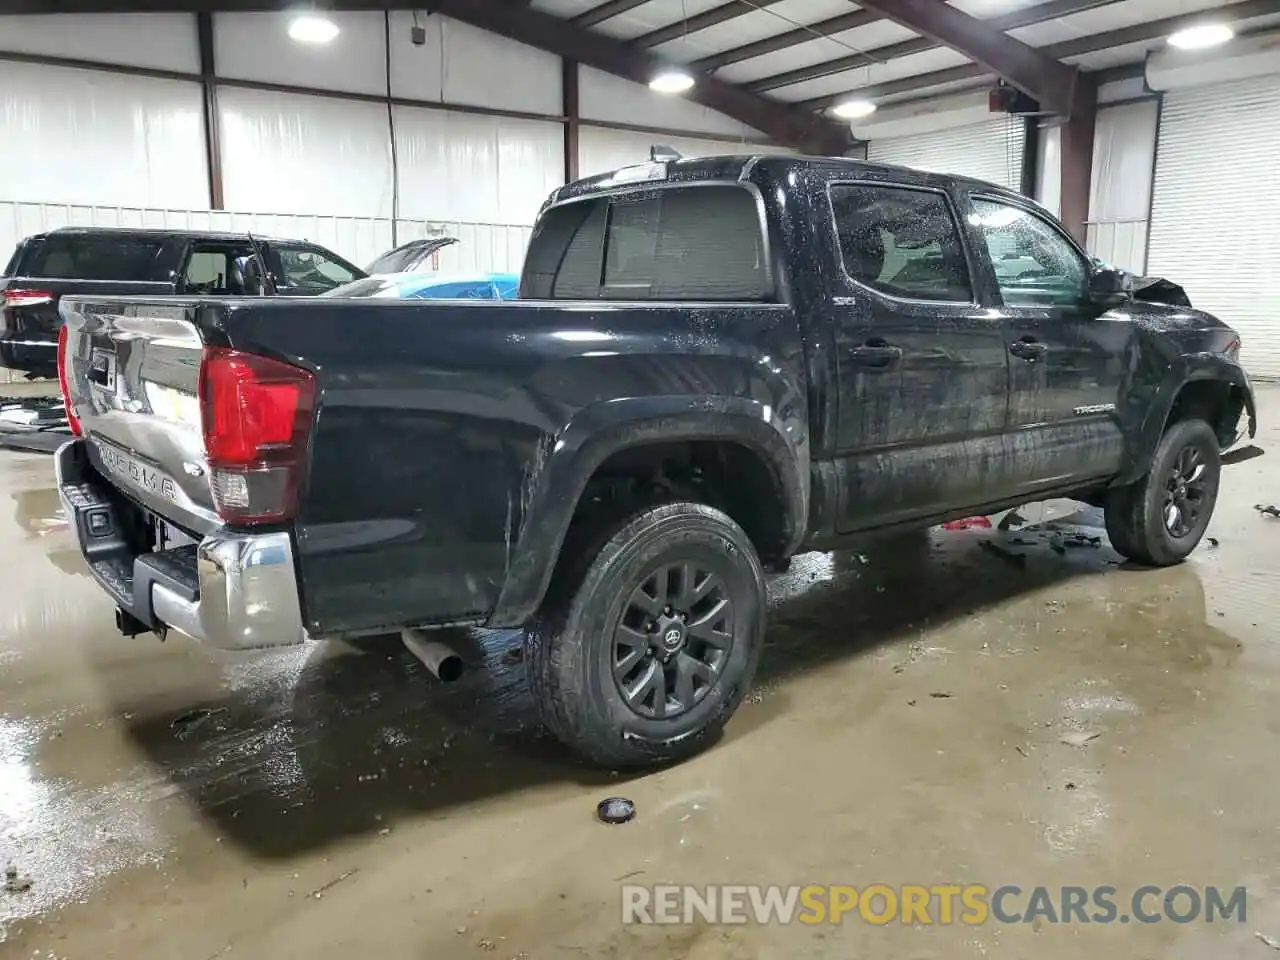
{"type": "Point", "coordinates": [989, 151]}
{"type": "Point", "coordinates": [1215, 214]}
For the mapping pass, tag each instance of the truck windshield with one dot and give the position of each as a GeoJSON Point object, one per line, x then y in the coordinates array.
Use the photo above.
{"type": "Point", "coordinates": [695, 243]}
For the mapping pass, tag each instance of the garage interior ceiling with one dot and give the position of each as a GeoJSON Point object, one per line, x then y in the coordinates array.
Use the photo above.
{"type": "Point", "coordinates": [780, 65]}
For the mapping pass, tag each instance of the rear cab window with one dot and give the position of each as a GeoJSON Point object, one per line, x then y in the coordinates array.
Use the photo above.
{"type": "Point", "coordinates": [95, 257]}
{"type": "Point", "coordinates": [699, 243]}
{"type": "Point", "coordinates": [308, 270]}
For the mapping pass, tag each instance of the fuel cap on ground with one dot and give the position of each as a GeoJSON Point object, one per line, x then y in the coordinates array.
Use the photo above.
{"type": "Point", "coordinates": [615, 810]}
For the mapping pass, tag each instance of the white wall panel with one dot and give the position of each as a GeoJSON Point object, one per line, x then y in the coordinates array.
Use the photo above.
{"type": "Point", "coordinates": [256, 46]}
{"type": "Point", "coordinates": [91, 137]}
{"type": "Point", "coordinates": [1049, 170]}
{"type": "Point", "coordinates": [601, 149]}
{"type": "Point", "coordinates": [483, 246]}
{"type": "Point", "coordinates": [163, 41]}
{"type": "Point", "coordinates": [304, 154]}
{"type": "Point", "coordinates": [459, 166]}
{"type": "Point", "coordinates": [463, 65]}
{"type": "Point", "coordinates": [1124, 147]}
{"type": "Point", "coordinates": [602, 96]}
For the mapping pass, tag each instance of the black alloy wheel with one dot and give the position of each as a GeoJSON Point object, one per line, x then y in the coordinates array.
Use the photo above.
{"type": "Point", "coordinates": [674, 636]}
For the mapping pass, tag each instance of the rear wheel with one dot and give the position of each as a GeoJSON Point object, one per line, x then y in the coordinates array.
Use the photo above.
{"type": "Point", "coordinates": [1160, 519]}
{"type": "Point", "coordinates": [646, 646]}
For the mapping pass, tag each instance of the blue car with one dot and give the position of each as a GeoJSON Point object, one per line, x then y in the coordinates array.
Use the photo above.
{"type": "Point", "coordinates": [432, 286]}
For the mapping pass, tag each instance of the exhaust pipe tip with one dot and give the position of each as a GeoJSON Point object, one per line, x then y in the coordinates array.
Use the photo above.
{"type": "Point", "coordinates": [438, 657]}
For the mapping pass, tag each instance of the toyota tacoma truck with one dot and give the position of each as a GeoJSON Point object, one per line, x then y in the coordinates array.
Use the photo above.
{"type": "Point", "coordinates": [714, 364]}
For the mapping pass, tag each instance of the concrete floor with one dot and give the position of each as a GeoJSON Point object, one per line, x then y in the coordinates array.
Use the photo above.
{"type": "Point", "coordinates": [336, 801]}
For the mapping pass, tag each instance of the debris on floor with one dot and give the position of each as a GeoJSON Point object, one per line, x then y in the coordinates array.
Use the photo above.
{"type": "Point", "coordinates": [615, 810]}
{"type": "Point", "coordinates": [1271, 942]}
{"type": "Point", "coordinates": [941, 695]}
{"type": "Point", "coordinates": [1212, 541]}
{"type": "Point", "coordinates": [1270, 510]}
{"type": "Point", "coordinates": [1075, 540]}
{"type": "Point", "coordinates": [1017, 559]}
{"type": "Point", "coordinates": [1078, 738]}
{"type": "Point", "coordinates": [15, 882]}
{"type": "Point", "coordinates": [968, 523]}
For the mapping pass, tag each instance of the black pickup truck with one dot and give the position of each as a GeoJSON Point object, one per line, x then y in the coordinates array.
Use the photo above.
{"type": "Point", "coordinates": [714, 364]}
{"type": "Point", "coordinates": [125, 261]}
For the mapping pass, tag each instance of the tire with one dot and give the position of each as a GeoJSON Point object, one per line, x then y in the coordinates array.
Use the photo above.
{"type": "Point", "coordinates": [1137, 522]}
{"type": "Point", "coordinates": [606, 604]}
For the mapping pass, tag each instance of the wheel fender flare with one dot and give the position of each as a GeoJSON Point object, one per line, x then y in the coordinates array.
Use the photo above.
{"type": "Point", "coordinates": [1191, 369]}
{"type": "Point", "coordinates": [556, 479]}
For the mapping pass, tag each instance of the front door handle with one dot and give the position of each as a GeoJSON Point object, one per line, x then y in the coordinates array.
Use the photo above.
{"type": "Point", "coordinates": [1028, 349]}
{"type": "Point", "coordinates": [876, 353]}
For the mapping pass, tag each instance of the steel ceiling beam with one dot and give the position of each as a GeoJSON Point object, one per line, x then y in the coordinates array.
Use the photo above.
{"type": "Point", "coordinates": [1079, 46]}
{"type": "Point", "coordinates": [1034, 72]}
{"type": "Point", "coordinates": [1009, 21]}
{"type": "Point", "coordinates": [606, 11]}
{"type": "Point", "coordinates": [814, 31]}
{"type": "Point", "coordinates": [779, 121]}
{"type": "Point", "coordinates": [710, 18]}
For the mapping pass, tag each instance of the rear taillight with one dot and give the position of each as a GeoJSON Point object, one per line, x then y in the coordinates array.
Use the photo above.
{"type": "Point", "coordinates": [256, 414]}
{"type": "Point", "coordinates": [27, 298]}
{"type": "Point", "coordinates": [64, 380]}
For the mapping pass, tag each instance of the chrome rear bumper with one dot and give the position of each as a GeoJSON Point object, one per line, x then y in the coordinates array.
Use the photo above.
{"type": "Point", "coordinates": [232, 590]}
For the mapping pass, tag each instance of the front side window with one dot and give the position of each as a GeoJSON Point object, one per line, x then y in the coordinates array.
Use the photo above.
{"type": "Point", "coordinates": [1034, 263]}
{"type": "Point", "coordinates": [697, 243]}
{"type": "Point", "coordinates": [901, 241]}
{"type": "Point", "coordinates": [309, 271]}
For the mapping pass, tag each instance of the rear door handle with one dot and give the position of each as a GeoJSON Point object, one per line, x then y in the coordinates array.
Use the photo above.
{"type": "Point", "coordinates": [1028, 349]}
{"type": "Point", "coordinates": [876, 353]}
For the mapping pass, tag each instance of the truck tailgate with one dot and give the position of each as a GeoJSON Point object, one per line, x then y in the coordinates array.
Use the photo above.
{"type": "Point", "coordinates": [132, 369]}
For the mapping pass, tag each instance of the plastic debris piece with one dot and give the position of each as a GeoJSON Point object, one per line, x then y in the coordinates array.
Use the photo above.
{"type": "Point", "coordinates": [1269, 510]}
{"type": "Point", "coordinates": [615, 810]}
{"type": "Point", "coordinates": [1078, 738]}
{"type": "Point", "coordinates": [968, 523]}
{"type": "Point", "coordinates": [1017, 559]}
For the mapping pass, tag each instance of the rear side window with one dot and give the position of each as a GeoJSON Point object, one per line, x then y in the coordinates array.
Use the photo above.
{"type": "Point", "coordinates": [901, 241]}
{"type": "Point", "coordinates": [90, 257]}
{"type": "Point", "coordinates": [700, 243]}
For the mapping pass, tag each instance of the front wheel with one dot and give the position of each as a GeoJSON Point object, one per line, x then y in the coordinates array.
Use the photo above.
{"type": "Point", "coordinates": [1160, 519]}
{"type": "Point", "coordinates": [642, 657]}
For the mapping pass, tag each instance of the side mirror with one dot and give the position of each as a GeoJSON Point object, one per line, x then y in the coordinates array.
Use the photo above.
{"type": "Point", "coordinates": [1109, 286]}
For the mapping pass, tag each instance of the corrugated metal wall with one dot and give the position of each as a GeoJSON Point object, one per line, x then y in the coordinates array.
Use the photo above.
{"type": "Point", "coordinates": [1215, 220]}
{"type": "Point", "coordinates": [990, 151]}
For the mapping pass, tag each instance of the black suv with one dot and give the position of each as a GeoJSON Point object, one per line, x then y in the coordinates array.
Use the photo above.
{"type": "Point", "coordinates": [46, 266]}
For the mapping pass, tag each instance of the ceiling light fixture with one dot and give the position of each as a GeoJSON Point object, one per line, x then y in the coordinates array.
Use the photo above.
{"type": "Point", "coordinates": [1202, 36]}
{"type": "Point", "coordinates": [853, 109]}
{"type": "Point", "coordinates": [313, 28]}
{"type": "Point", "coordinates": [671, 81]}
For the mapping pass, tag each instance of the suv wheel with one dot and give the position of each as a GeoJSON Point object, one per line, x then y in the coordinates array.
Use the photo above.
{"type": "Point", "coordinates": [641, 657]}
{"type": "Point", "coordinates": [1160, 519]}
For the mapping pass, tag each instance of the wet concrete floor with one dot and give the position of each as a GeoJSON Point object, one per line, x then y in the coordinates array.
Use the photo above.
{"type": "Point", "coordinates": [930, 711]}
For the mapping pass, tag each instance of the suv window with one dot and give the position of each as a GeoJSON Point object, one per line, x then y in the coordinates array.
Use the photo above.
{"type": "Point", "coordinates": [699, 243]}
{"type": "Point", "coordinates": [306, 270]}
{"type": "Point", "coordinates": [901, 241]}
{"type": "Point", "coordinates": [78, 256]}
{"type": "Point", "coordinates": [1034, 263]}
{"type": "Point", "coordinates": [213, 270]}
